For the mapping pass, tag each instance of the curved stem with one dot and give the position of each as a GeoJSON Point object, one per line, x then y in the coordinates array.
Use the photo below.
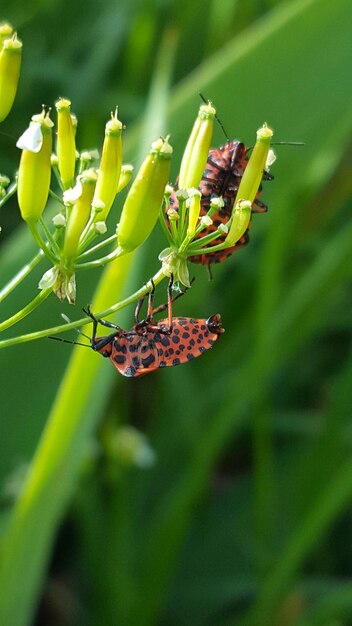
{"type": "Point", "coordinates": [165, 228]}
{"type": "Point", "coordinates": [56, 197]}
{"type": "Point", "coordinates": [118, 252]}
{"type": "Point", "coordinates": [41, 243]}
{"type": "Point", "coordinates": [98, 246]}
{"type": "Point", "coordinates": [10, 191]}
{"type": "Point", "coordinates": [220, 246]}
{"type": "Point", "coordinates": [21, 275]}
{"type": "Point", "coordinates": [26, 310]}
{"type": "Point", "coordinates": [55, 330]}
{"type": "Point", "coordinates": [50, 237]}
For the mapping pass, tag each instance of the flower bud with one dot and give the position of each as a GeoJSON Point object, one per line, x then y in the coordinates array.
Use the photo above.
{"type": "Point", "coordinates": [141, 209]}
{"type": "Point", "coordinates": [79, 215]}
{"type": "Point", "coordinates": [6, 31]}
{"type": "Point", "coordinates": [35, 167]}
{"type": "Point", "coordinates": [253, 173]}
{"type": "Point", "coordinates": [196, 153]}
{"type": "Point", "coordinates": [10, 65]}
{"type": "Point", "coordinates": [110, 166]}
{"type": "Point", "coordinates": [66, 145]}
{"type": "Point", "coordinates": [173, 215]}
{"type": "Point", "coordinates": [241, 216]}
{"type": "Point", "coordinates": [168, 190]}
{"type": "Point", "coordinates": [125, 176]}
{"type": "Point", "coordinates": [193, 211]}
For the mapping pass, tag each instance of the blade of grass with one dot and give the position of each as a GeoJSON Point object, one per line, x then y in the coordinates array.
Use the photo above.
{"type": "Point", "coordinates": [324, 508]}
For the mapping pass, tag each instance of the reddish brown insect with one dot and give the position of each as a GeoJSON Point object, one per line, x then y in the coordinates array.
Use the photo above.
{"type": "Point", "coordinates": [151, 345]}
{"type": "Point", "coordinates": [222, 176]}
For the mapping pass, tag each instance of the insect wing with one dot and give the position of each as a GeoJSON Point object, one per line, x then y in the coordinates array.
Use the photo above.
{"type": "Point", "coordinates": [188, 339]}
{"type": "Point", "coordinates": [134, 355]}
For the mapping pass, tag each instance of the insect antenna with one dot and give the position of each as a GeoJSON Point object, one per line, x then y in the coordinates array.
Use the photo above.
{"type": "Point", "coordinates": [75, 343]}
{"type": "Point", "coordinates": [68, 321]}
{"type": "Point", "coordinates": [287, 143]}
{"type": "Point", "coordinates": [217, 118]}
{"type": "Point", "coordinates": [281, 143]}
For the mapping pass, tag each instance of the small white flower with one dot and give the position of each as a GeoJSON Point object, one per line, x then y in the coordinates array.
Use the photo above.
{"type": "Point", "coordinates": [32, 138]}
{"type": "Point", "coordinates": [59, 220]}
{"type": "Point", "coordinates": [98, 205]}
{"type": "Point", "coordinates": [182, 194]}
{"type": "Point", "coordinates": [71, 195]}
{"type": "Point", "coordinates": [192, 191]}
{"type": "Point", "coordinates": [89, 155]}
{"type": "Point", "coordinates": [173, 214]}
{"type": "Point", "coordinates": [100, 228]}
{"type": "Point", "coordinates": [168, 190]}
{"type": "Point", "coordinates": [206, 220]}
{"type": "Point", "coordinates": [218, 202]}
{"type": "Point", "coordinates": [270, 159]}
{"type": "Point", "coordinates": [224, 228]}
{"type": "Point", "coordinates": [49, 279]}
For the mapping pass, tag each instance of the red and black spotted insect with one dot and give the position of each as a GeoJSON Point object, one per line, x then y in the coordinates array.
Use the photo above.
{"type": "Point", "coordinates": [222, 176]}
{"type": "Point", "coordinates": [150, 344]}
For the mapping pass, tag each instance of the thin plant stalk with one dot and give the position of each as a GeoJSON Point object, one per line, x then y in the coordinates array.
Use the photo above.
{"type": "Point", "coordinates": [21, 275]}
{"type": "Point", "coordinates": [56, 330]}
{"type": "Point", "coordinates": [29, 308]}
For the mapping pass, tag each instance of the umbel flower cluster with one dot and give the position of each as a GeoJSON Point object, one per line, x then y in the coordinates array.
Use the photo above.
{"type": "Point", "coordinates": [89, 185]}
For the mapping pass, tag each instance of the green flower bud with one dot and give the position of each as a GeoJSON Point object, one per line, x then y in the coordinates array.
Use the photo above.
{"type": "Point", "coordinates": [125, 176]}
{"type": "Point", "coordinates": [79, 214]}
{"type": "Point", "coordinates": [241, 216]}
{"type": "Point", "coordinates": [196, 153]}
{"type": "Point", "coordinates": [110, 166]}
{"type": "Point", "coordinates": [66, 145]}
{"type": "Point", "coordinates": [35, 167]}
{"type": "Point", "coordinates": [193, 211]}
{"type": "Point", "coordinates": [10, 65]}
{"type": "Point", "coordinates": [253, 173]}
{"type": "Point", "coordinates": [141, 209]}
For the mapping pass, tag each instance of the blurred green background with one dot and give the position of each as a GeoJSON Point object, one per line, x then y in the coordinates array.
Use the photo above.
{"type": "Point", "coordinates": [245, 516]}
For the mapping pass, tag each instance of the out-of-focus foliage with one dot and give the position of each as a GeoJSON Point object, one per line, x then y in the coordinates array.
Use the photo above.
{"type": "Point", "coordinates": [245, 517]}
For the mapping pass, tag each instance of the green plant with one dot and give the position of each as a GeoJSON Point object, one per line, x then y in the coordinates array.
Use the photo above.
{"type": "Point", "coordinates": [289, 68]}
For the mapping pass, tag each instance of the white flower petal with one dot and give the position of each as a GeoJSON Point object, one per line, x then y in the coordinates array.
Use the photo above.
{"type": "Point", "coordinates": [32, 138]}
{"type": "Point", "coordinates": [71, 195]}
{"type": "Point", "coordinates": [49, 278]}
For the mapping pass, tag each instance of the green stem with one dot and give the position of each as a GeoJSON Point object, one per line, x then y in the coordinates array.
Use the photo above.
{"type": "Point", "coordinates": [56, 197]}
{"type": "Point", "coordinates": [21, 275]}
{"type": "Point", "coordinates": [41, 243]}
{"type": "Point", "coordinates": [209, 238]}
{"type": "Point", "coordinates": [10, 191]}
{"type": "Point", "coordinates": [220, 246]}
{"type": "Point", "coordinates": [56, 330]}
{"type": "Point", "coordinates": [98, 246]}
{"type": "Point", "coordinates": [26, 310]}
{"type": "Point", "coordinates": [117, 253]}
{"type": "Point", "coordinates": [50, 237]}
{"type": "Point", "coordinates": [165, 228]}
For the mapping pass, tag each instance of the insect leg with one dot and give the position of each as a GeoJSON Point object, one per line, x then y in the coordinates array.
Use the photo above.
{"type": "Point", "coordinates": [88, 312]}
